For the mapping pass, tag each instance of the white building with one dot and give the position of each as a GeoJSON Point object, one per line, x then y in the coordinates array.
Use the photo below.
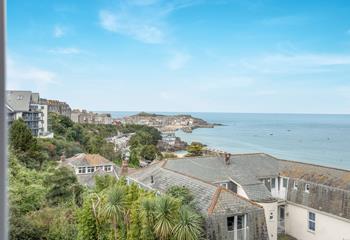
{"type": "Point", "coordinates": [25, 105]}
{"type": "Point", "coordinates": [305, 201]}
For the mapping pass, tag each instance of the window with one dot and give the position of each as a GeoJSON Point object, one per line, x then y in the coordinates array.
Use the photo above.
{"type": "Point", "coordinates": [81, 170]}
{"type": "Point", "coordinates": [225, 185]}
{"type": "Point", "coordinates": [273, 182]}
{"type": "Point", "coordinates": [295, 186]}
{"type": "Point", "coordinates": [230, 223]}
{"type": "Point", "coordinates": [312, 221]}
{"type": "Point", "coordinates": [108, 168]}
{"type": "Point", "coordinates": [271, 215]}
{"type": "Point", "coordinates": [285, 182]}
{"type": "Point", "coordinates": [91, 169]}
{"type": "Point", "coordinates": [240, 222]}
{"type": "Point", "coordinates": [307, 188]}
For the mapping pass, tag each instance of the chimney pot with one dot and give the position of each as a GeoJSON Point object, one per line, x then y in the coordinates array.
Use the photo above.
{"type": "Point", "coordinates": [152, 179]}
{"type": "Point", "coordinates": [227, 158]}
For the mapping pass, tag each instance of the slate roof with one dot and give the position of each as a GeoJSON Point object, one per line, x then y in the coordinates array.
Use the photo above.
{"type": "Point", "coordinates": [208, 197]}
{"type": "Point", "coordinates": [243, 169]}
{"type": "Point", "coordinates": [247, 170]}
{"type": "Point", "coordinates": [19, 101]}
{"type": "Point", "coordinates": [83, 159]}
{"type": "Point", "coordinates": [333, 177]}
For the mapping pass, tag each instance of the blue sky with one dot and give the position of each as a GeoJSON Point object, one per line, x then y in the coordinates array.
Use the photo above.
{"type": "Point", "coordinates": [183, 55]}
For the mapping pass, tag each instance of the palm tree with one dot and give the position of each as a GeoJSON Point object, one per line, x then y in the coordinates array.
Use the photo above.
{"type": "Point", "coordinates": [166, 214]}
{"type": "Point", "coordinates": [114, 206]}
{"type": "Point", "coordinates": [189, 225]}
{"type": "Point", "coordinates": [147, 214]}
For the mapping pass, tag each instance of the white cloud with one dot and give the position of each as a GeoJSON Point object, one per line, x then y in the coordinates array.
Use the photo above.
{"type": "Point", "coordinates": [24, 76]}
{"type": "Point", "coordinates": [143, 32]}
{"type": "Point", "coordinates": [178, 60]}
{"type": "Point", "coordinates": [59, 31]}
{"type": "Point", "coordinates": [143, 20]}
{"type": "Point", "coordinates": [65, 51]}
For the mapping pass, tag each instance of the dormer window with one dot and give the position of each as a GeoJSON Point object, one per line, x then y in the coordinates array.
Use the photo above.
{"type": "Point", "coordinates": [273, 183]}
{"type": "Point", "coordinates": [224, 185]}
{"type": "Point", "coordinates": [307, 188]}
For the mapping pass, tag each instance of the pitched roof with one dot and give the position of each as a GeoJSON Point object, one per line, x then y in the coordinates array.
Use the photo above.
{"type": "Point", "coordinates": [333, 177]}
{"type": "Point", "coordinates": [205, 194]}
{"type": "Point", "coordinates": [19, 101]}
{"type": "Point", "coordinates": [247, 170]}
{"type": "Point", "coordinates": [242, 170]}
{"type": "Point", "coordinates": [83, 159]}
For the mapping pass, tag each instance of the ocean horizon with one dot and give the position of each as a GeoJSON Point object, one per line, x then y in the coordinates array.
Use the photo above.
{"type": "Point", "coordinates": [322, 139]}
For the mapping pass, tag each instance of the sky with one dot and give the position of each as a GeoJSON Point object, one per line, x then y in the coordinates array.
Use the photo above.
{"type": "Point", "coordinates": [183, 55]}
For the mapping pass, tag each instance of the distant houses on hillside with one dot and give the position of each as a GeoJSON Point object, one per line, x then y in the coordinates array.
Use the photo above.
{"type": "Point", "coordinates": [34, 111]}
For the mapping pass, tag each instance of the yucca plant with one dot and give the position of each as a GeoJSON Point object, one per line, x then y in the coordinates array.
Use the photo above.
{"type": "Point", "coordinates": [165, 216]}
{"type": "Point", "coordinates": [114, 207]}
{"type": "Point", "coordinates": [189, 225]}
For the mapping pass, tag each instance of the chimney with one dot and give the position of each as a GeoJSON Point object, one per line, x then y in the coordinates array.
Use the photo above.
{"type": "Point", "coordinates": [227, 158]}
{"type": "Point", "coordinates": [124, 168]}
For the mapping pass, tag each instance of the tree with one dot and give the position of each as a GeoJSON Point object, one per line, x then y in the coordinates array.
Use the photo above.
{"type": "Point", "coordinates": [188, 226]}
{"type": "Point", "coordinates": [21, 138]}
{"type": "Point", "coordinates": [87, 226]}
{"type": "Point", "coordinates": [195, 149]}
{"type": "Point", "coordinates": [147, 214]}
{"type": "Point", "coordinates": [62, 187]}
{"type": "Point", "coordinates": [114, 207]}
{"type": "Point", "coordinates": [166, 214]}
{"type": "Point", "coordinates": [149, 152]}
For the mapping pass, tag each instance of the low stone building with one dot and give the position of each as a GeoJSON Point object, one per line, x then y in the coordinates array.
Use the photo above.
{"type": "Point", "coordinates": [87, 166]}
{"type": "Point", "coordinates": [227, 215]}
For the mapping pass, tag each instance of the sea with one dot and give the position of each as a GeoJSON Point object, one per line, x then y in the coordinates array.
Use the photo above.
{"type": "Point", "coordinates": [322, 139]}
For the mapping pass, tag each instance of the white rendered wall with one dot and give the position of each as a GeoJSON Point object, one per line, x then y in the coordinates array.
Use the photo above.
{"type": "Point", "coordinates": [327, 227]}
{"type": "Point", "coordinates": [270, 209]}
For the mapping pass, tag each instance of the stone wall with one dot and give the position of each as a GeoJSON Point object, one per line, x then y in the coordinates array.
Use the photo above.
{"type": "Point", "coordinates": [216, 226]}
{"type": "Point", "coordinates": [320, 197]}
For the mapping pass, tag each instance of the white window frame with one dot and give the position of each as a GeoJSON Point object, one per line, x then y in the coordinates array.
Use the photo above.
{"type": "Point", "coordinates": [107, 168]}
{"type": "Point", "coordinates": [273, 180]}
{"type": "Point", "coordinates": [90, 169]}
{"type": "Point", "coordinates": [286, 180]}
{"type": "Point", "coordinates": [307, 187]}
{"type": "Point", "coordinates": [80, 170]}
{"type": "Point", "coordinates": [225, 185]}
{"type": "Point", "coordinates": [295, 185]}
{"type": "Point", "coordinates": [235, 225]}
{"type": "Point", "coordinates": [309, 220]}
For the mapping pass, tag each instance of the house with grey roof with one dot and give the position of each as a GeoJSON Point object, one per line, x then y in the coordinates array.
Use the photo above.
{"type": "Point", "coordinates": [25, 105]}
{"type": "Point", "coordinates": [303, 200]}
{"type": "Point", "coordinates": [87, 166]}
{"type": "Point", "coordinates": [227, 214]}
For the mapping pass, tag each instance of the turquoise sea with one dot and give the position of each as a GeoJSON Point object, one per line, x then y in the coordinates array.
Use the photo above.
{"type": "Point", "coordinates": [314, 138]}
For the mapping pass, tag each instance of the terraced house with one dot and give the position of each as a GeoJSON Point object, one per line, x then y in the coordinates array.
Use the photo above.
{"type": "Point", "coordinates": [257, 196]}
